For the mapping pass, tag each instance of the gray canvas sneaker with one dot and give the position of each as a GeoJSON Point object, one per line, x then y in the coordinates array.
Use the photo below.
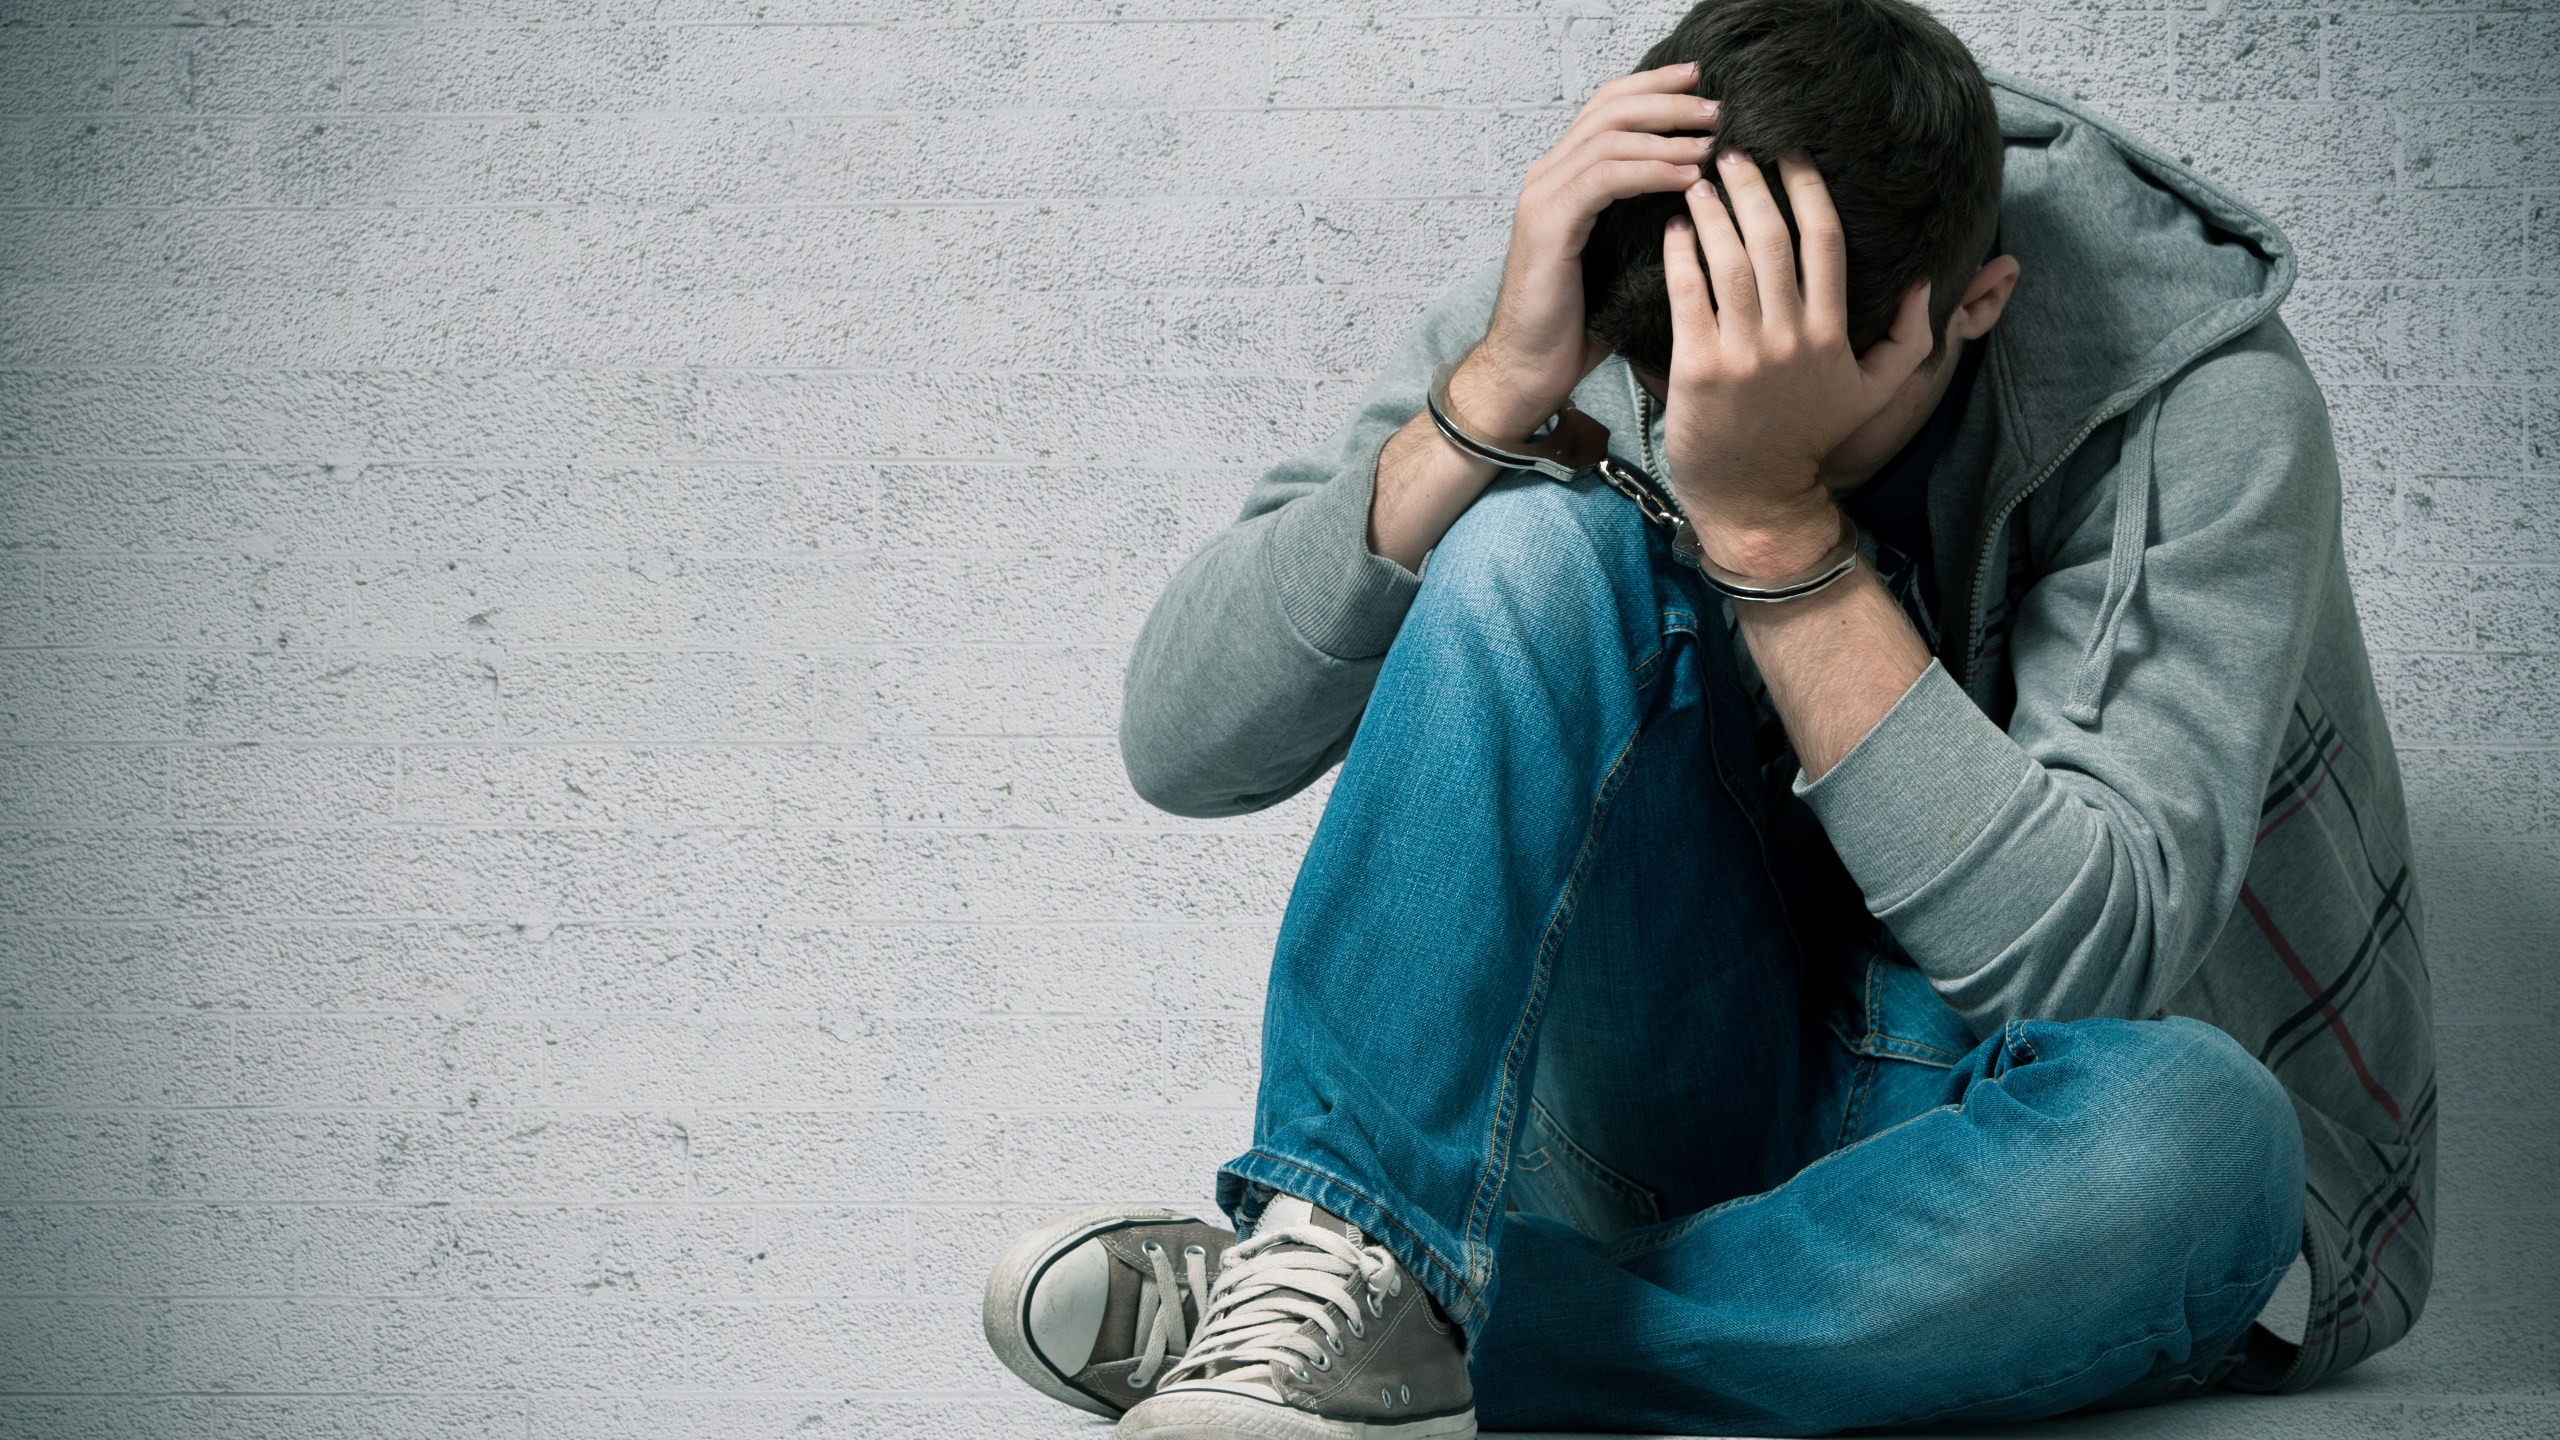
{"type": "Point", "coordinates": [1091, 1306]}
{"type": "Point", "coordinates": [1312, 1334]}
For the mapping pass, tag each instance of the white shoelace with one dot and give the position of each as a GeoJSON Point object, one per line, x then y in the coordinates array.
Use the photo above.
{"type": "Point", "coordinates": [1271, 1286]}
{"type": "Point", "coordinates": [1161, 1333]}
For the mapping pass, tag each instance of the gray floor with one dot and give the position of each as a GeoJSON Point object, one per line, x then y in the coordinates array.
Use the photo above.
{"type": "Point", "coordinates": [2478, 1376]}
{"type": "Point", "coordinates": [2471, 1374]}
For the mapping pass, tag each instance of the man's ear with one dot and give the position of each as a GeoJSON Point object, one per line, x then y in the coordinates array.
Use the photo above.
{"type": "Point", "coordinates": [1985, 296]}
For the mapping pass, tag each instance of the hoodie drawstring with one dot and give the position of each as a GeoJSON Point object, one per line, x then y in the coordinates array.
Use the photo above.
{"type": "Point", "coordinates": [2124, 563]}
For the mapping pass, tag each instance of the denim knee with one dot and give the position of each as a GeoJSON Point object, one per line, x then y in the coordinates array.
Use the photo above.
{"type": "Point", "coordinates": [1532, 555]}
{"type": "Point", "coordinates": [2207, 1142]}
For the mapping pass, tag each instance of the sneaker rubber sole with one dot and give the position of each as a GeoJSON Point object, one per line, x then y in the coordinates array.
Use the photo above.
{"type": "Point", "coordinates": [1006, 1310]}
{"type": "Point", "coordinates": [1214, 1416]}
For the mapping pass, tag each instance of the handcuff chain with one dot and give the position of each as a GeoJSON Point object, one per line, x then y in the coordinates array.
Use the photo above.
{"type": "Point", "coordinates": [1573, 442]}
{"type": "Point", "coordinates": [1652, 505]}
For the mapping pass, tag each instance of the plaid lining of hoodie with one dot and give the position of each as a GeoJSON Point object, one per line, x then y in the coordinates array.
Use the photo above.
{"type": "Point", "coordinates": [2319, 972]}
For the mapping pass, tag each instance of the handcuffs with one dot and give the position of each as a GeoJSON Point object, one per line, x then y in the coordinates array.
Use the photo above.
{"type": "Point", "coordinates": [1572, 442]}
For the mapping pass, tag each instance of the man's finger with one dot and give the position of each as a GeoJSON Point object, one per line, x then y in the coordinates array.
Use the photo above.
{"type": "Point", "coordinates": [1665, 80]}
{"type": "Point", "coordinates": [1591, 191]}
{"type": "Point", "coordinates": [1890, 361]}
{"type": "Point", "coordinates": [1764, 234]}
{"type": "Point", "coordinates": [1654, 114]}
{"type": "Point", "coordinates": [1693, 317]}
{"type": "Point", "coordinates": [1730, 277]}
{"type": "Point", "coordinates": [1634, 145]}
{"type": "Point", "coordinates": [1822, 247]}
{"type": "Point", "coordinates": [1683, 76]}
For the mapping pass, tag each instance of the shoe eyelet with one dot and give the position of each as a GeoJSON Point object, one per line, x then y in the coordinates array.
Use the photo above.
{"type": "Point", "coordinates": [1193, 1250]}
{"type": "Point", "coordinates": [1359, 1328]}
{"type": "Point", "coordinates": [1386, 1396]}
{"type": "Point", "coordinates": [1407, 1392]}
{"type": "Point", "coordinates": [1150, 1247]}
{"type": "Point", "coordinates": [1333, 1343]}
{"type": "Point", "coordinates": [1376, 1306]}
{"type": "Point", "coordinates": [1324, 1362]}
{"type": "Point", "coordinates": [1137, 1384]}
{"type": "Point", "coordinates": [1302, 1376]}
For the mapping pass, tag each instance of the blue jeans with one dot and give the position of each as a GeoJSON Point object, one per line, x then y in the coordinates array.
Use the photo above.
{"type": "Point", "coordinates": [1545, 1021]}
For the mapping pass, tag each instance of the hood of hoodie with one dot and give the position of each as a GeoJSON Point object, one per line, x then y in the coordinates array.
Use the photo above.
{"type": "Point", "coordinates": [2131, 268]}
{"type": "Point", "coordinates": [2131, 265]}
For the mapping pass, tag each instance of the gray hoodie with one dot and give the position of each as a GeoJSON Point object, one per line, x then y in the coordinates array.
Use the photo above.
{"type": "Point", "coordinates": [2148, 774]}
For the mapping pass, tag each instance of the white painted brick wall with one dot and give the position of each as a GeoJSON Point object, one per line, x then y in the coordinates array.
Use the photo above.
{"type": "Point", "coordinates": [564, 566]}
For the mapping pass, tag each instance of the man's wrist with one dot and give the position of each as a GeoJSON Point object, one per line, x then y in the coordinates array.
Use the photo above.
{"type": "Point", "coordinates": [1769, 541]}
{"type": "Point", "coordinates": [1484, 399]}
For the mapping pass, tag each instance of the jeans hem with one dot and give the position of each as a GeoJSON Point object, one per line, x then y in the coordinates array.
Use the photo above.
{"type": "Point", "coordinates": [1460, 1291]}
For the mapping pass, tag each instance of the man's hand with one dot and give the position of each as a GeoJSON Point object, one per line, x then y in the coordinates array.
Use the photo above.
{"type": "Point", "coordinates": [1763, 383]}
{"type": "Point", "coordinates": [1536, 346]}
{"type": "Point", "coordinates": [1535, 349]}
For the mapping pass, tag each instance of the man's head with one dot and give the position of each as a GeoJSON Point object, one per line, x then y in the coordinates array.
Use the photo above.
{"type": "Point", "coordinates": [1896, 116]}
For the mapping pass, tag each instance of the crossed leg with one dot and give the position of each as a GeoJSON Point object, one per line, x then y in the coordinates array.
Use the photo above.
{"type": "Point", "coordinates": [1542, 904]}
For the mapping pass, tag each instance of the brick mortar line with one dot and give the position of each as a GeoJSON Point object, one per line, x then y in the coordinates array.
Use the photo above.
{"type": "Point", "coordinates": [664, 1109]}
{"type": "Point", "coordinates": [540, 1204]}
{"type": "Point", "coordinates": [537, 25]}
{"type": "Point", "coordinates": [811, 920]}
{"type": "Point", "coordinates": [868, 734]}
{"type": "Point", "coordinates": [620, 557]}
{"type": "Point", "coordinates": [40, 1016]}
{"type": "Point", "coordinates": [615, 210]}
{"type": "Point", "coordinates": [503, 649]}
{"type": "Point", "coordinates": [508, 928]}
{"type": "Point", "coordinates": [1238, 469]}
{"type": "Point", "coordinates": [1381, 106]}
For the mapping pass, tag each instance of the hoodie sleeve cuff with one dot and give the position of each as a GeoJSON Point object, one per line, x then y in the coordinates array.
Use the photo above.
{"type": "Point", "coordinates": [1342, 599]}
{"type": "Point", "coordinates": [1920, 789]}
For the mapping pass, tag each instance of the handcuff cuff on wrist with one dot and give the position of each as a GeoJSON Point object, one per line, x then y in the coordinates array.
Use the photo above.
{"type": "Point", "coordinates": [1572, 442]}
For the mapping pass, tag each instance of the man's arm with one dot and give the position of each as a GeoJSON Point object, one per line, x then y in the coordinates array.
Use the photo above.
{"type": "Point", "coordinates": [1252, 670]}
{"type": "Point", "coordinates": [1835, 662]}
{"type": "Point", "coordinates": [2071, 865]}
{"type": "Point", "coordinates": [1254, 665]}
{"type": "Point", "coordinates": [1536, 344]}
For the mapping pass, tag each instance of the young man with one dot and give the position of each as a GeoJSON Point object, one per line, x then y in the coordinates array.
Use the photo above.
{"type": "Point", "coordinates": [1883, 901]}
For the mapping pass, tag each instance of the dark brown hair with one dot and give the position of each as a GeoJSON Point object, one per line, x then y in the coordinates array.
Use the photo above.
{"type": "Point", "coordinates": [1895, 114]}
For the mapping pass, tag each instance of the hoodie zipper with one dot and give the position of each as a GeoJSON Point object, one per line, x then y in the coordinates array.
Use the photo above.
{"type": "Point", "coordinates": [1975, 620]}
{"type": "Point", "coordinates": [1644, 424]}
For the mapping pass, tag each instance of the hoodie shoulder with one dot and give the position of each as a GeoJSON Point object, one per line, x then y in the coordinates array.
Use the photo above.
{"type": "Point", "coordinates": [2133, 268]}
{"type": "Point", "coordinates": [2248, 414]}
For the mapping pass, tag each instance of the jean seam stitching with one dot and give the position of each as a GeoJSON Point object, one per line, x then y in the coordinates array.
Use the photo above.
{"type": "Point", "coordinates": [1897, 1047]}
{"type": "Point", "coordinates": [1880, 1038]}
{"type": "Point", "coordinates": [1595, 1168]}
{"type": "Point", "coordinates": [1506, 1103]}
{"type": "Point", "coordinates": [1680, 1231]}
{"type": "Point", "coordinates": [1857, 1107]}
{"type": "Point", "coordinates": [1669, 622]}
